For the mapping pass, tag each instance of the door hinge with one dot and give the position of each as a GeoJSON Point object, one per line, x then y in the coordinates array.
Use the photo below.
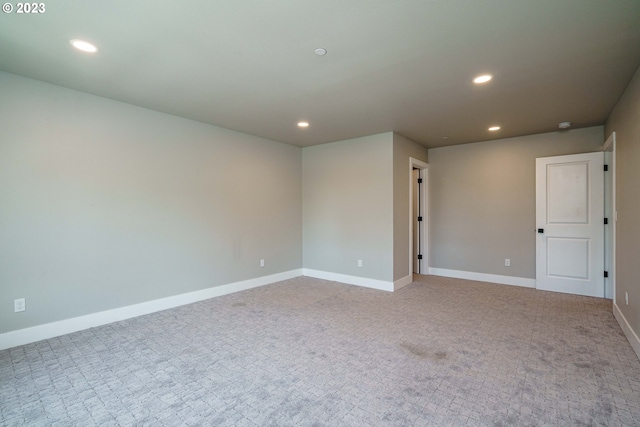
{"type": "Point", "coordinates": [606, 274]}
{"type": "Point", "coordinates": [419, 180]}
{"type": "Point", "coordinates": [419, 256]}
{"type": "Point", "coordinates": [419, 218]}
{"type": "Point", "coordinates": [606, 221]}
{"type": "Point", "coordinates": [606, 168]}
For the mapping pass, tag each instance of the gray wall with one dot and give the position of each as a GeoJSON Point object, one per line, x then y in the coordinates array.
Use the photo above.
{"type": "Point", "coordinates": [348, 207]}
{"type": "Point", "coordinates": [625, 121]}
{"type": "Point", "coordinates": [403, 149]}
{"type": "Point", "coordinates": [104, 205]}
{"type": "Point", "coordinates": [482, 200]}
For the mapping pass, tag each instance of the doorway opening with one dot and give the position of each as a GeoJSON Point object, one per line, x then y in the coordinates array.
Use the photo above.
{"type": "Point", "coordinates": [418, 217]}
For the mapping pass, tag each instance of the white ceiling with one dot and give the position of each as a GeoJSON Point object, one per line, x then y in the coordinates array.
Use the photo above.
{"type": "Point", "coordinates": [392, 65]}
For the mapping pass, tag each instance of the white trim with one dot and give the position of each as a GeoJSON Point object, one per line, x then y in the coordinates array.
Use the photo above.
{"type": "Point", "coordinates": [350, 280]}
{"type": "Point", "coordinates": [67, 326]}
{"type": "Point", "coordinates": [424, 198]}
{"type": "Point", "coordinates": [418, 163]}
{"type": "Point", "coordinates": [610, 146]}
{"type": "Point", "coordinates": [632, 337]}
{"type": "Point", "coordinates": [482, 277]}
{"type": "Point", "coordinates": [411, 190]}
{"type": "Point", "coordinates": [401, 283]}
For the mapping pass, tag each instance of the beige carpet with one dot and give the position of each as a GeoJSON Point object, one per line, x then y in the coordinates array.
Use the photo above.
{"type": "Point", "coordinates": [310, 352]}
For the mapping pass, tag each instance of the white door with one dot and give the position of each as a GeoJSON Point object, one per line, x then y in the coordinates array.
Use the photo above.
{"type": "Point", "coordinates": [570, 224]}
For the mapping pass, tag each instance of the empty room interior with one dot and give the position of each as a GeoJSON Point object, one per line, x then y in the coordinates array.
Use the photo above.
{"type": "Point", "coordinates": [254, 213]}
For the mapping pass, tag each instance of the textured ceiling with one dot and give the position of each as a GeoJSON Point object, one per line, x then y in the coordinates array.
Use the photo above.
{"type": "Point", "coordinates": [403, 66]}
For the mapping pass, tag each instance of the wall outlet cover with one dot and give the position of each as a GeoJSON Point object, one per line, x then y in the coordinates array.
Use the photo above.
{"type": "Point", "coordinates": [19, 305]}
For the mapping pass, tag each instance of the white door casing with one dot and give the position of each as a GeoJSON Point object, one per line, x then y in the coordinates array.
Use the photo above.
{"type": "Point", "coordinates": [423, 248]}
{"type": "Point", "coordinates": [609, 149]}
{"type": "Point", "coordinates": [416, 225]}
{"type": "Point", "coordinates": [570, 224]}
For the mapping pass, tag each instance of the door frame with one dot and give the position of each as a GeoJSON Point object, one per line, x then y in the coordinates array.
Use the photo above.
{"type": "Point", "coordinates": [424, 201]}
{"type": "Point", "coordinates": [611, 212]}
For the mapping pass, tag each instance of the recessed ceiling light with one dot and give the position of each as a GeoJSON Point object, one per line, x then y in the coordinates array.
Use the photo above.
{"type": "Point", "coordinates": [303, 124]}
{"type": "Point", "coordinates": [320, 51]}
{"type": "Point", "coordinates": [564, 125]}
{"type": "Point", "coordinates": [494, 128]}
{"type": "Point", "coordinates": [83, 46]}
{"type": "Point", "coordinates": [482, 79]}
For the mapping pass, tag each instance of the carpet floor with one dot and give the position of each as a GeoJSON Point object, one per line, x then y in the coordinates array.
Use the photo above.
{"type": "Point", "coordinates": [310, 352]}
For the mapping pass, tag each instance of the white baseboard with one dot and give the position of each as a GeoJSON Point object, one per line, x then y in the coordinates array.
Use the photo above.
{"type": "Point", "coordinates": [401, 283]}
{"type": "Point", "coordinates": [350, 280]}
{"type": "Point", "coordinates": [482, 277]}
{"type": "Point", "coordinates": [67, 326]}
{"type": "Point", "coordinates": [627, 329]}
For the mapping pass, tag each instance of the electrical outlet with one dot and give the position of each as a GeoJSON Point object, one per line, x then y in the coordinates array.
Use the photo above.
{"type": "Point", "coordinates": [261, 263]}
{"type": "Point", "coordinates": [507, 262]}
{"type": "Point", "coordinates": [19, 305]}
{"type": "Point", "coordinates": [359, 263]}
{"type": "Point", "coordinates": [626, 298]}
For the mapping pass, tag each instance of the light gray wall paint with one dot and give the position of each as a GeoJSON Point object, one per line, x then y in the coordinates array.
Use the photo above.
{"type": "Point", "coordinates": [625, 121]}
{"type": "Point", "coordinates": [348, 207]}
{"type": "Point", "coordinates": [104, 205]}
{"type": "Point", "coordinates": [403, 149]}
{"type": "Point", "coordinates": [482, 200]}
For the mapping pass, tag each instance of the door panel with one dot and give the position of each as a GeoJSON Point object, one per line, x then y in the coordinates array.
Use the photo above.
{"type": "Point", "coordinates": [570, 213]}
{"type": "Point", "coordinates": [568, 198]}
{"type": "Point", "coordinates": [568, 258]}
